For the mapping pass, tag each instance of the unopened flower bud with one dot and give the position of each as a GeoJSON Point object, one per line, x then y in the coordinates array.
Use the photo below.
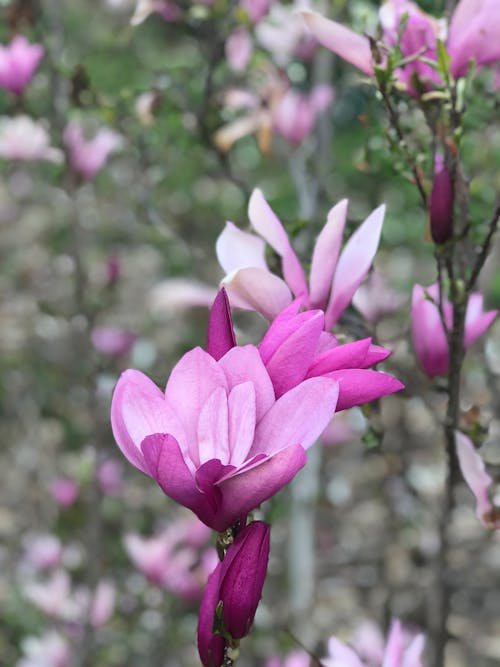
{"type": "Point", "coordinates": [441, 204]}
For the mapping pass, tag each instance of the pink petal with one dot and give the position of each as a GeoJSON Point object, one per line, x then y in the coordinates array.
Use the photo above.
{"type": "Point", "coordinates": [358, 386]}
{"type": "Point", "coordinates": [298, 417]}
{"type": "Point", "coordinates": [350, 355]}
{"type": "Point", "coordinates": [325, 255]}
{"type": "Point", "coordinates": [210, 645]}
{"type": "Point", "coordinates": [281, 328]}
{"type": "Point", "coordinates": [474, 34]}
{"type": "Point", "coordinates": [257, 289]}
{"type": "Point", "coordinates": [242, 418]}
{"type": "Point", "coordinates": [220, 335]}
{"type": "Point", "coordinates": [354, 264]}
{"type": "Point", "coordinates": [413, 654]}
{"type": "Point", "coordinates": [236, 249]}
{"type": "Point", "coordinates": [376, 354]}
{"type": "Point", "coordinates": [213, 429]}
{"type": "Point", "coordinates": [265, 222]}
{"type": "Point", "coordinates": [193, 379]}
{"type": "Point", "coordinates": [243, 364]}
{"type": "Point", "coordinates": [428, 336]}
{"type": "Point", "coordinates": [395, 646]}
{"type": "Point", "coordinates": [243, 492]}
{"type": "Point", "coordinates": [475, 475]}
{"type": "Point", "coordinates": [477, 321]}
{"type": "Point", "coordinates": [139, 409]}
{"type": "Point", "coordinates": [344, 42]}
{"type": "Point", "coordinates": [341, 654]}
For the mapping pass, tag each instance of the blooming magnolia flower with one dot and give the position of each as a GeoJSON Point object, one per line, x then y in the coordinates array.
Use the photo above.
{"type": "Point", "coordinates": [21, 138]}
{"type": "Point", "coordinates": [333, 279]}
{"type": "Point", "coordinates": [471, 35]}
{"type": "Point", "coordinates": [237, 583]}
{"type": "Point", "coordinates": [218, 441]}
{"type": "Point", "coordinates": [295, 115]}
{"type": "Point", "coordinates": [88, 156]}
{"type": "Point", "coordinates": [477, 479]}
{"type": "Point", "coordinates": [374, 298]}
{"type": "Point", "coordinates": [239, 49]}
{"type": "Point", "coordinates": [49, 650]}
{"type": "Point", "coordinates": [401, 650]}
{"type": "Point", "coordinates": [112, 341]}
{"type": "Point", "coordinates": [18, 63]}
{"type": "Point", "coordinates": [429, 338]}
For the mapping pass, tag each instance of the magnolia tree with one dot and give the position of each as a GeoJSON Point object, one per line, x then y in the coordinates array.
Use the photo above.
{"type": "Point", "coordinates": [321, 435]}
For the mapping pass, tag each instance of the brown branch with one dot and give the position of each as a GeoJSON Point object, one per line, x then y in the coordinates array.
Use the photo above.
{"type": "Point", "coordinates": [485, 249]}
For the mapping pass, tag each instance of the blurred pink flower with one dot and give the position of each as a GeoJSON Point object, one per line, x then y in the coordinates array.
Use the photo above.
{"type": "Point", "coordinates": [49, 650]}
{"type": "Point", "coordinates": [477, 479]}
{"type": "Point", "coordinates": [402, 649]}
{"type": "Point", "coordinates": [18, 63]}
{"type": "Point", "coordinates": [237, 583]}
{"type": "Point", "coordinates": [472, 34]}
{"type": "Point", "coordinates": [113, 270]}
{"type": "Point", "coordinates": [43, 551]}
{"type": "Point", "coordinates": [295, 115]}
{"type": "Point", "coordinates": [64, 491]}
{"type": "Point", "coordinates": [110, 476]}
{"type": "Point", "coordinates": [21, 138]}
{"type": "Point", "coordinates": [284, 34]}
{"type": "Point", "coordinates": [174, 295]}
{"type": "Point", "coordinates": [428, 334]}
{"type": "Point", "coordinates": [239, 49]}
{"type": "Point", "coordinates": [102, 604]}
{"type": "Point", "coordinates": [374, 298]}
{"type": "Point", "coordinates": [334, 276]}
{"type": "Point", "coordinates": [218, 441]}
{"type": "Point", "coordinates": [55, 598]}
{"type": "Point", "coordinates": [166, 8]}
{"type": "Point", "coordinates": [88, 156]}
{"type": "Point", "coordinates": [112, 341]}
{"type": "Point", "coordinates": [256, 9]}
{"type": "Point", "coordinates": [296, 658]}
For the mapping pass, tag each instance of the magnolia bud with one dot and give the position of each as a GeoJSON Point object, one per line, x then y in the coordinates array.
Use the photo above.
{"type": "Point", "coordinates": [441, 204]}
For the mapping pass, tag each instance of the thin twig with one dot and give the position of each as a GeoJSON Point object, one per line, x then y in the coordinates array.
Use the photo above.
{"type": "Point", "coordinates": [485, 249]}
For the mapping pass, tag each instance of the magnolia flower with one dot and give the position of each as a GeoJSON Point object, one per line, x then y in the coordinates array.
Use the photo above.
{"type": "Point", "coordinates": [239, 49]}
{"type": "Point", "coordinates": [429, 337]}
{"type": "Point", "coordinates": [43, 551]}
{"type": "Point", "coordinates": [18, 63]}
{"type": "Point", "coordinates": [256, 9]}
{"type": "Point", "coordinates": [283, 33]}
{"type": "Point", "coordinates": [65, 491]}
{"type": "Point", "coordinates": [401, 650]}
{"type": "Point", "coordinates": [374, 298]}
{"type": "Point", "coordinates": [237, 583]}
{"type": "Point", "coordinates": [334, 276]}
{"type": "Point", "coordinates": [296, 113]}
{"type": "Point", "coordinates": [21, 138]}
{"type": "Point", "coordinates": [218, 441]}
{"type": "Point", "coordinates": [49, 650]}
{"type": "Point", "coordinates": [112, 341]}
{"type": "Point", "coordinates": [55, 598]}
{"type": "Point", "coordinates": [472, 34]}
{"type": "Point", "coordinates": [477, 479]}
{"type": "Point", "coordinates": [166, 8]}
{"type": "Point", "coordinates": [102, 605]}
{"type": "Point", "coordinates": [88, 156]}
{"type": "Point", "coordinates": [110, 477]}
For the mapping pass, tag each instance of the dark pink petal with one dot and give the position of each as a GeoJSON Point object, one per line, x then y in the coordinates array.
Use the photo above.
{"type": "Point", "coordinates": [139, 409]}
{"type": "Point", "coordinates": [474, 473]}
{"type": "Point", "coordinates": [264, 221]}
{"type": "Point", "coordinates": [257, 289]}
{"type": "Point", "coordinates": [344, 42]}
{"type": "Point", "coordinates": [428, 335]}
{"type": "Point", "coordinates": [281, 328]}
{"type": "Point", "coordinates": [220, 335]}
{"type": "Point", "coordinates": [206, 478]}
{"type": "Point", "coordinates": [299, 416]}
{"type": "Point", "coordinates": [358, 386]}
{"type": "Point", "coordinates": [376, 354]}
{"type": "Point", "coordinates": [354, 265]}
{"type": "Point", "coordinates": [441, 204]}
{"type": "Point", "coordinates": [350, 355]}
{"type": "Point", "coordinates": [325, 255]}
{"type": "Point", "coordinates": [210, 646]}
{"type": "Point", "coordinates": [243, 364]}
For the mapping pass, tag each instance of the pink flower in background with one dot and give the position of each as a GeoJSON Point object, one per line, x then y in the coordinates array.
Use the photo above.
{"type": "Point", "coordinates": [18, 63]}
{"type": "Point", "coordinates": [110, 476]}
{"type": "Point", "coordinates": [112, 341]}
{"type": "Point", "coordinates": [477, 479]}
{"type": "Point", "coordinates": [256, 9]}
{"type": "Point", "coordinates": [43, 551]}
{"type": "Point", "coordinates": [472, 34]}
{"type": "Point", "coordinates": [428, 334]}
{"type": "Point", "coordinates": [166, 8]}
{"type": "Point", "coordinates": [237, 582]}
{"type": "Point", "coordinates": [174, 295]}
{"type": "Point", "coordinates": [102, 604]}
{"type": "Point", "coordinates": [294, 659]}
{"type": "Point", "coordinates": [113, 270]}
{"type": "Point", "coordinates": [295, 115]}
{"type": "Point", "coordinates": [21, 138]}
{"type": "Point", "coordinates": [88, 156]}
{"type": "Point", "coordinates": [178, 558]}
{"type": "Point", "coordinates": [55, 598]}
{"type": "Point", "coordinates": [49, 650]}
{"type": "Point", "coordinates": [239, 49]}
{"type": "Point", "coordinates": [374, 298]}
{"type": "Point", "coordinates": [65, 491]}
{"type": "Point", "coordinates": [402, 649]}
{"type": "Point", "coordinates": [334, 276]}
{"type": "Point", "coordinates": [284, 34]}
{"type": "Point", "coordinates": [218, 441]}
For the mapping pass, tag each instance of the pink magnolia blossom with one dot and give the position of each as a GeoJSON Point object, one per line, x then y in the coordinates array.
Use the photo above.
{"type": "Point", "coordinates": [173, 295]}
{"type": "Point", "coordinates": [49, 650]}
{"type": "Point", "coordinates": [428, 334]}
{"type": "Point", "coordinates": [102, 604]}
{"type": "Point", "coordinates": [110, 476]}
{"type": "Point", "coordinates": [55, 597]}
{"type": "Point", "coordinates": [239, 49]}
{"type": "Point", "coordinates": [88, 156]}
{"type": "Point", "coordinates": [477, 479]}
{"type": "Point", "coordinates": [218, 441]}
{"type": "Point", "coordinates": [177, 559]}
{"type": "Point", "coordinates": [284, 34]}
{"type": "Point", "coordinates": [43, 551]}
{"type": "Point", "coordinates": [65, 491]}
{"type": "Point", "coordinates": [18, 63]}
{"type": "Point", "coordinates": [334, 276]}
{"type": "Point", "coordinates": [22, 138]}
{"type": "Point", "coordinates": [296, 658]}
{"type": "Point", "coordinates": [112, 341]}
{"type": "Point", "coordinates": [374, 298]}
{"type": "Point", "coordinates": [295, 115]}
{"type": "Point", "coordinates": [256, 9]}
{"type": "Point", "coordinates": [472, 34]}
{"type": "Point", "coordinates": [237, 583]}
{"type": "Point", "coordinates": [401, 650]}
